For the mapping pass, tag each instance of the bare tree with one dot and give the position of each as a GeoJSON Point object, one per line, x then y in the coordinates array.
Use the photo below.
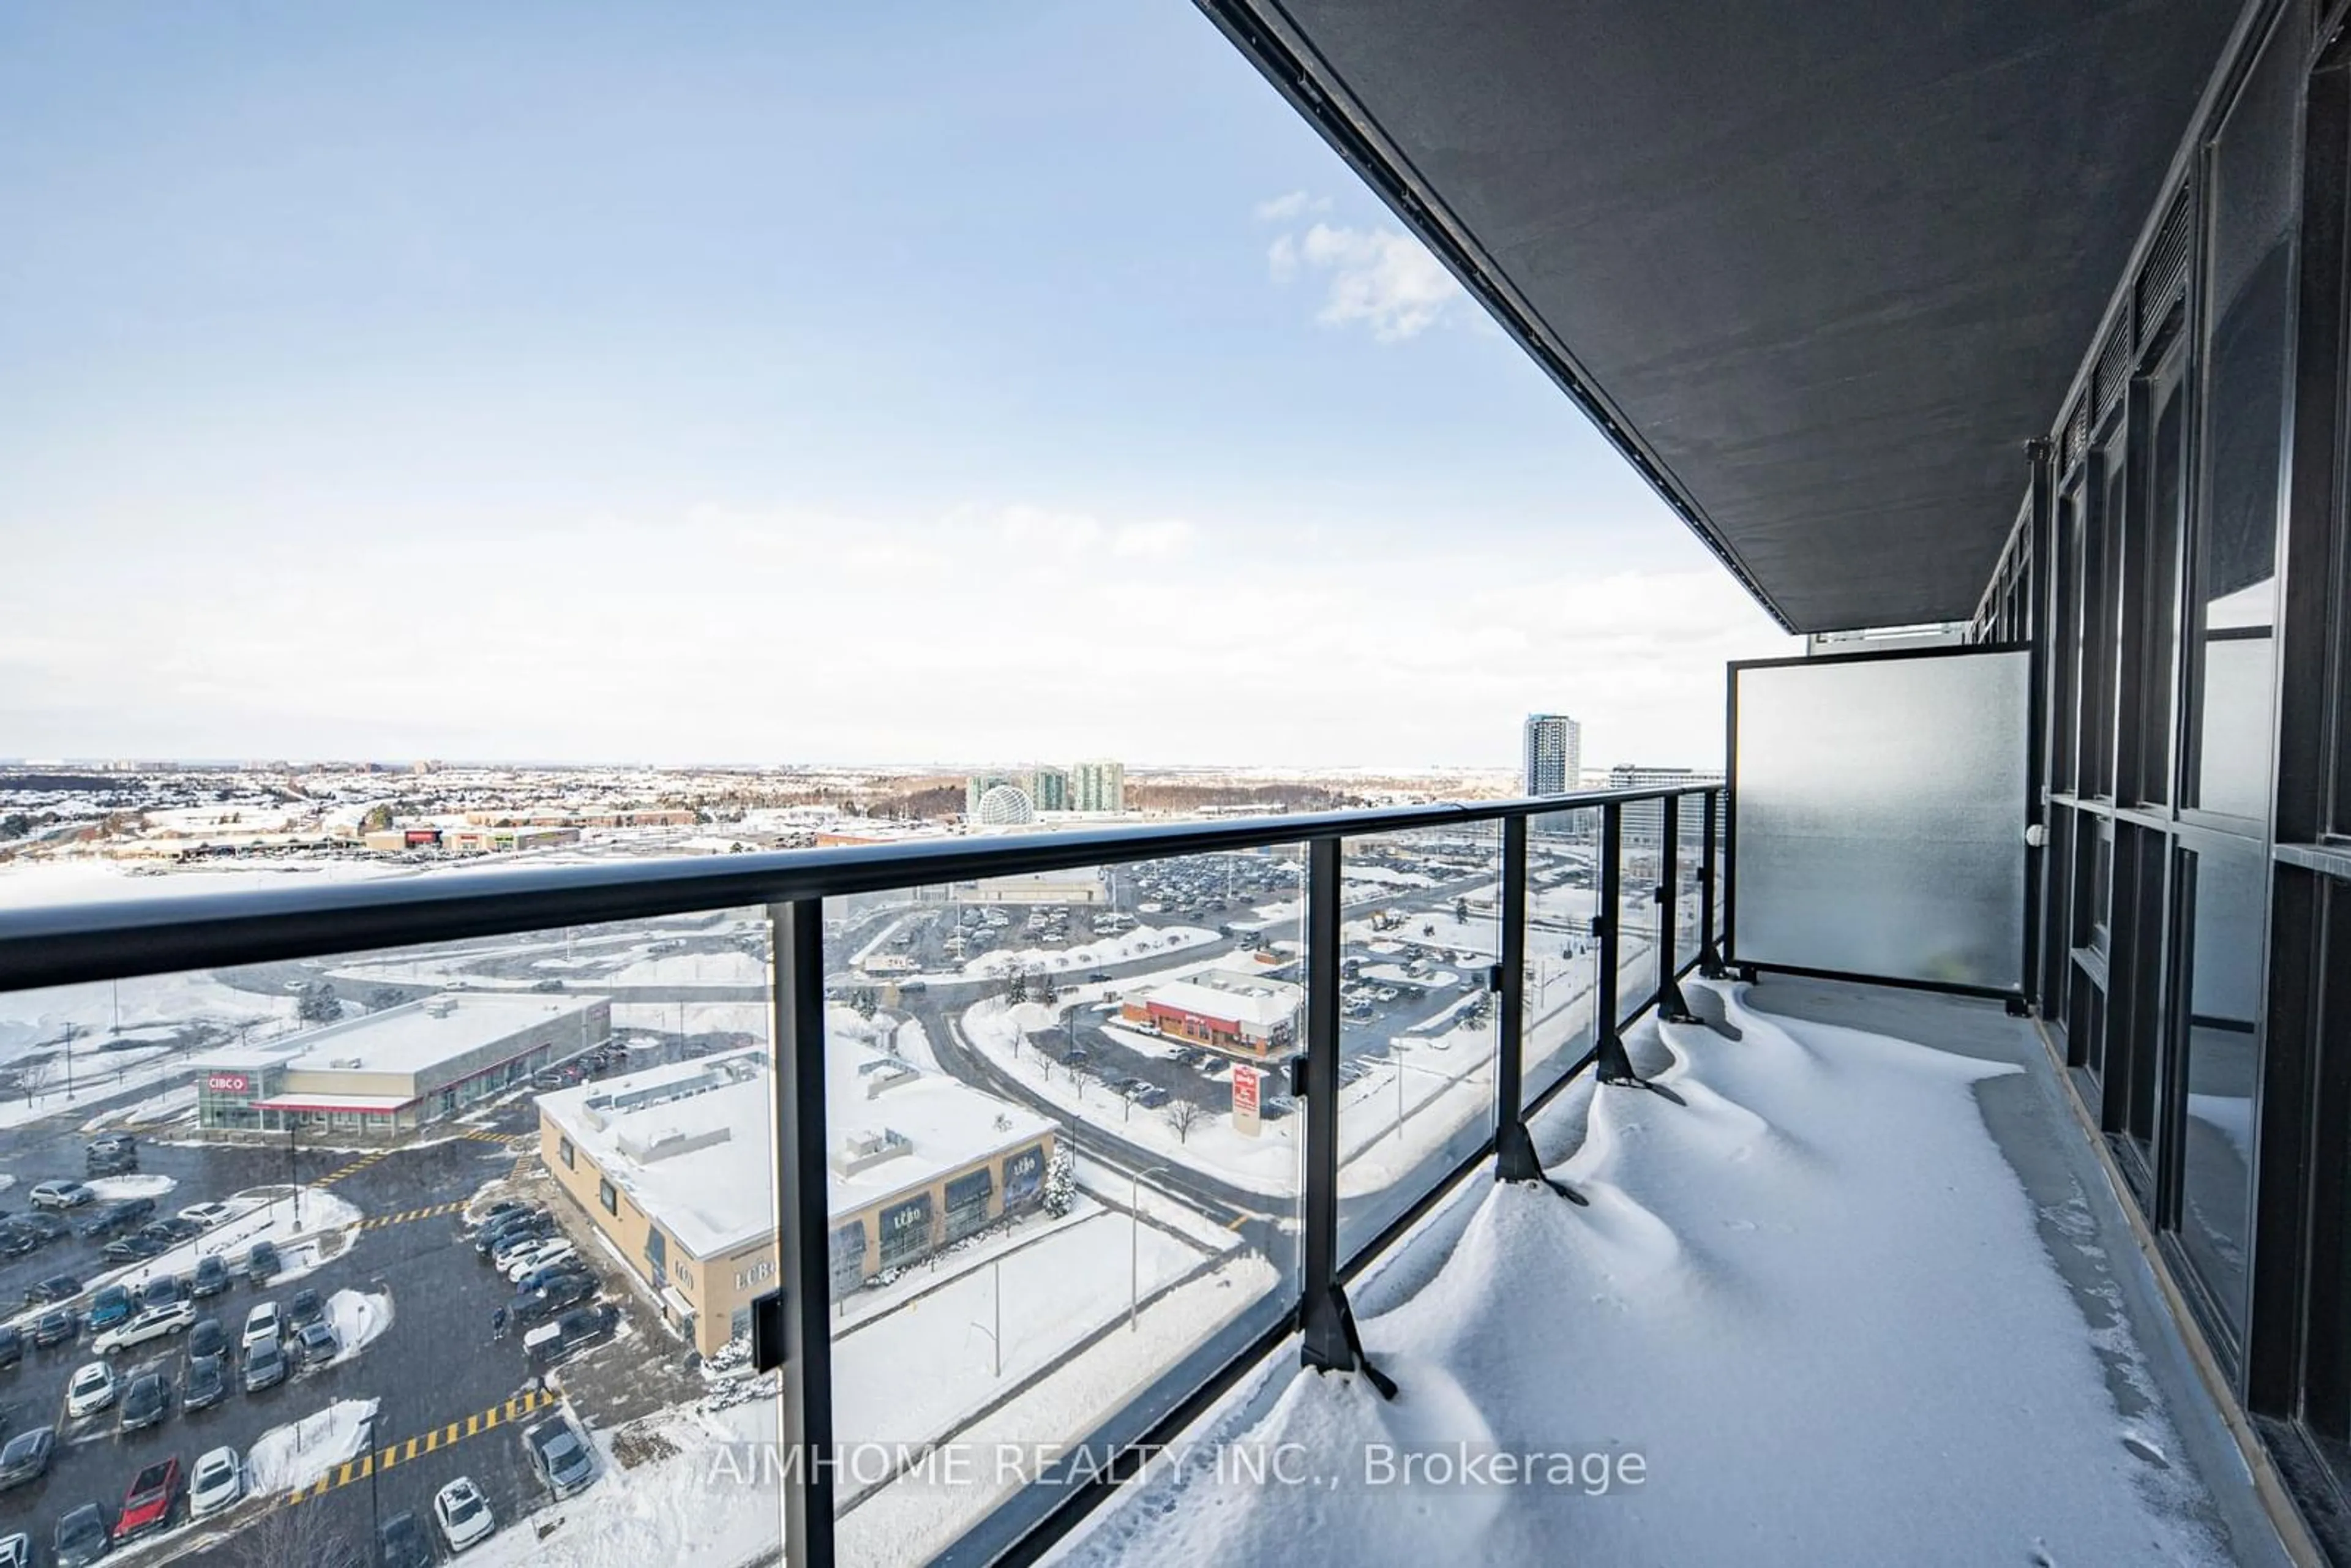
{"type": "Point", "coordinates": [1184, 1116]}
{"type": "Point", "coordinates": [310, 1533]}
{"type": "Point", "coordinates": [1084, 1074]}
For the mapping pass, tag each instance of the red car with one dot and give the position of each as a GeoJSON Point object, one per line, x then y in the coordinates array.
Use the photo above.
{"type": "Point", "coordinates": [148, 1504]}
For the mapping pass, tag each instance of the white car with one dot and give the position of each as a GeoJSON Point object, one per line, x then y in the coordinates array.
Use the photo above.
{"type": "Point", "coordinates": [260, 1324]}
{"type": "Point", "coordinates": [206, 1214]}
{"type": "Point", "coordinates": [16, 1550]}
{"type": "Point", "coordinates": [462, 1513]}
{"type": "Point", "coordinates": [155, 1322]}
{"type": "Point", "coordinates": [93, 1388]}
{"type": "Point", "coordinates": [218, 1481]}
{"type": "Point", "coordinates": [61, 1194]}
{"type": "Point", "coordinates": [540, 1257]}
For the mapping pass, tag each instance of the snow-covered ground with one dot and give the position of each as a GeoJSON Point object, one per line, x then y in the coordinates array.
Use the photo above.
{"type": "Point", "coordinates": [911, 1375]}
{"type": "Point", "coordinates": [699, 1017]}
{"type": "Point", "coordinates": [358, 1318]}
{"type": "Point", "coordinates": [1807, 1318]}
{"type": "Point", "coordinates": [151, 1006]}
{"type": "Point", "coordinates": [289, 1457]}
{"type": "Point", "coordinates": [138, 1185]}
{"type": "Point", "coordinates": [1142, 942]}
{"type": "Point", "coordinates": [725, 967]}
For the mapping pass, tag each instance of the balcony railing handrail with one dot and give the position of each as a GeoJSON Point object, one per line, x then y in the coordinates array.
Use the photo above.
{"type": "Point", "coordinates": [118, 939]}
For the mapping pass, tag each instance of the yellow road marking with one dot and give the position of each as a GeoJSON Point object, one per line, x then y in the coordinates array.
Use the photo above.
{"type": "Point", "coordinates": [366, 1465]}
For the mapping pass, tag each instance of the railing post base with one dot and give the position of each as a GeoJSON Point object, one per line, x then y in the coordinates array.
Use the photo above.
{"type": "Point", "coordinates": [1332, 1342]}
{"type": "Point", "coordinates": [1709, 962]}
{"type": "Point", "coordinates": [1672, 1006]}
{"type": "Point", "coordinates": [1515, 1160]}
{"type": "Point", "coordinates": [1613, 1068]}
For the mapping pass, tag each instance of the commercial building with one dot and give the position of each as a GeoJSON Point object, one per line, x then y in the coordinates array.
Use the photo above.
{"type": "Point", "coordinates": [1554, 754]}
{"type": "Point", "coordinates": [390, 1073]}
{"type": "Point", "coordinates": [675, 1168]}
{"type": "Point", "coordinates": [1645, 819]}
{"type": "Point", "coordinates": [1098, 786]}
{"type": "Point", "coordinates": [1243, 1014]}
{"type": "Point", "coordinates": [1049, 788]}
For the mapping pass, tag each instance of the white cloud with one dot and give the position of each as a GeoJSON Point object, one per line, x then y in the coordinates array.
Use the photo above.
{"type": "Point", "coordinates": [1379, 278]}
{"type": "Point", "coordinates": [999, 632]}
{"type": "Point", "coordinates": [1295, 205]}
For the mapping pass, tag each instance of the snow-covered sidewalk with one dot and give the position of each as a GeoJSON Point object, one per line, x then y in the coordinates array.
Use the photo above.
{"type": "Point", "coordinates": [1808, 1318]}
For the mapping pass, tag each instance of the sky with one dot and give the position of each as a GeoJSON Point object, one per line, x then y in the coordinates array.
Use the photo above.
{"type": "Point", "coordinates": [882, 383]}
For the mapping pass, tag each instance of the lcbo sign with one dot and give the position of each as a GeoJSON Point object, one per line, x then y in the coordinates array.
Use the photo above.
{"type": "Point", "coordinates": [1245, 1100]}
{"type": "Point", "coordinates": [228, 1083]}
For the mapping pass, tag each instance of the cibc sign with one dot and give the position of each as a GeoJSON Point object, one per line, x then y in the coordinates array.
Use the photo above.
{"type": "Point", "coordinates": [228, 1083]}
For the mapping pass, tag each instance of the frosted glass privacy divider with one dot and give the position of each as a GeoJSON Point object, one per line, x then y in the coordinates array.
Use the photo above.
{"type": "Point", "coordinates": [1877, 815]}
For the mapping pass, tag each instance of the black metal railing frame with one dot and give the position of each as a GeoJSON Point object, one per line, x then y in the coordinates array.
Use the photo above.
{"type": "Point", "coordinates": [121, 940]}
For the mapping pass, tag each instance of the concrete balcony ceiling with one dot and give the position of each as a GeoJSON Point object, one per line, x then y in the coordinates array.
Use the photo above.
{"type": "Point", "coordinates": [1820, 269]}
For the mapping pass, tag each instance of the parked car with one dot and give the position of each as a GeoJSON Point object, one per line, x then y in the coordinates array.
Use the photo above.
{"type": "Point", "coordinates": [462, 1513]}
{"type": "Point", "coordinates": [573, 1329]}
{"type": "Point", "coordinates": [499, 1232]}
{"type": "Point", "coordinates": [264, 1365]}
{"type": "Point", "coordinates": [547, 1271]}
{"type": "Point", "coordinates": [147, 1506]}
{"type": "Point", "coordinates": [172, 1231]}
{"type": "Point", "coordinates": [111, 1306]}
{"type": "Point", "coordinates": [16, 1240]}
{"type": "Point", "coordinates": [149, 1401]}
{"type": "Point", "coordinates": [262, 1324]}
{"type": "Point", "coordinates": [156, 1322]}
{"type": "Point", "coordinates": [119, 1161]}
{"type": "Point", "coordinates": [204, 1216]}
{"type": "Point", "coordinates": [56, 1327]}
{"type": "Point", "coordinates": [563, 1462]}
{"type": "Point", "coordinates": [553, 1249]}
{"type": "Point", "coordinates": [162, 1292]}
{"type": "Point", "coordinates": [45, 1227]}
{"type": "Point", "coordinates": [314, 1343]}
{"type": "Point", "coordinates": [207, 1337]}
{"type": "Point", "coordinates": [261, 1262]}
{"type": "Point", "coordinates": [304, 1310]}
{"type": "Point", "coordinates": [55, 1288]}
{"type": "Point", "coordinates": [560, 1289]}
{"type": "Point", "coordinates": [211, 1277]}
{"type": "Point", "coordinates": [26, 1457]}
{"type": "Point", "coordinates": [218, 1481]}
{"type": "Point", "coordinates": [131, 1248]}
{"type": "Point", "coordinates": [206, 1384]}
{"type": "Point", "coordinates": [16, 1550]}
{"type": "Point", "coordinates": [93, 1389]}
{"type": "Point", "coordinates": [494, 1213]}
{"type": "Point", "coordinates": [403, 1544]}
{"type": "Point", "coordinates": [12, 1346]}
{"type": "Point", "coordinates": [81, 1537]}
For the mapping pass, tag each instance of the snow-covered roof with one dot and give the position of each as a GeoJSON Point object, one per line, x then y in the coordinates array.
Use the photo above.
{"type": "Point", "coordinates": [1264, 1003]}
{"type": "Point", "coordinates": [423, 1034]}
{"type": "Point", "coordinates": [693, 1145]}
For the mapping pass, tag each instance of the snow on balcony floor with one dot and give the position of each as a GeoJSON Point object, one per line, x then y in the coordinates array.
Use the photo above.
{"type": "Point", "coordinates": [1814, 1301]}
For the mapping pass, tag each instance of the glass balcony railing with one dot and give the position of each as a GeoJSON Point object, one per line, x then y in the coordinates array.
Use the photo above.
{"type": "Point", "coordinates": [871, 1206]}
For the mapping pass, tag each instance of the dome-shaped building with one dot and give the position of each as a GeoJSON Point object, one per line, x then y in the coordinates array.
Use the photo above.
{"type": "Point", "coordinates": [1006, 806]}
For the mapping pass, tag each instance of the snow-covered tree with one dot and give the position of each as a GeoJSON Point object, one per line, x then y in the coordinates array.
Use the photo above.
{"type": "Point", "coordinates": [1061, 1182]}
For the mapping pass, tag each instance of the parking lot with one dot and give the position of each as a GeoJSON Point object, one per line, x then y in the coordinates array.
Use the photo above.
{"type": "Point", "coordinates": [381, 1234]}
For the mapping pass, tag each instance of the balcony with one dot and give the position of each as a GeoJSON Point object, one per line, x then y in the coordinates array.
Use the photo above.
{"type": "Point", "coordinates": [1923, 1145]}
